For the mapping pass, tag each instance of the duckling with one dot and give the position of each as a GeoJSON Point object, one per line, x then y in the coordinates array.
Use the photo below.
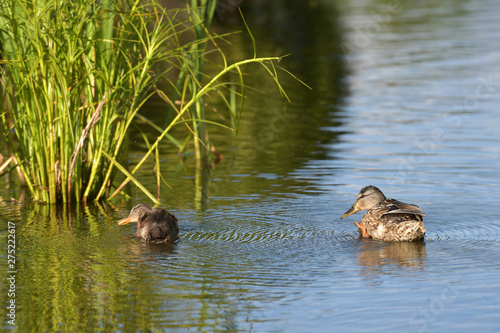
{"type": "Point", "coordinates": [153, 225]}
{"type": "Point", "coordinates": [387, 219]}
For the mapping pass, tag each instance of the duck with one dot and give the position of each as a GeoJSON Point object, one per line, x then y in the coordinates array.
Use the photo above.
{"type": "Point", "coordinates": [153, 225]}
{"type": "Point", "coordinates": [387, 219]}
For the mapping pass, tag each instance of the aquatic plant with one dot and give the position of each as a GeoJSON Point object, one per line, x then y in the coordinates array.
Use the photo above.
{"type": "Point", "coordinates": [75, 74]}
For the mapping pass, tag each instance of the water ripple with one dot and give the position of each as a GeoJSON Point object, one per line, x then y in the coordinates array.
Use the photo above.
{"type": "Point", "coordinates": [246, 236]}
{"type": "Point", "coordinates": [470, 232]}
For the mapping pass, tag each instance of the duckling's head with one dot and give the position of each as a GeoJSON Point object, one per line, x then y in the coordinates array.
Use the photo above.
{"type": "Point", "coordinates": [136, 213]}
{"type": "Point", "coordinates": [368, 197]}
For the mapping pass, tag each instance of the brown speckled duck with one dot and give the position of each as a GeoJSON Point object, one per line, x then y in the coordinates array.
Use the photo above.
{"type": "Point", "coordinates": [153, 225]}
{"type": "Point", "coordinates": [387, 219]}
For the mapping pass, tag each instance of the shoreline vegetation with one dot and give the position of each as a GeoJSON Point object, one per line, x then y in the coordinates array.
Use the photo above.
{"type": "Point", "coordinates": [75, 74]}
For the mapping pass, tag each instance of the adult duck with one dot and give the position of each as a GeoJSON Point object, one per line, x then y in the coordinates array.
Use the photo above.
{"type": "Point", "coordinates": [387, 219]}
{"type": "Point", "coordinates": [153, 225]}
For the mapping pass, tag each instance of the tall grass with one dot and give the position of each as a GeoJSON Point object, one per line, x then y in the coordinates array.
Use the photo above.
{"type": "Point", "coordinates": [75, 74]}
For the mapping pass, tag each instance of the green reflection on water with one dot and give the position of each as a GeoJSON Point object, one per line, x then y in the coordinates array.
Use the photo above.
{"type": "Point", "coordinates": [78, 271]}
{"type": "Point", "coordinates": [274, 138]}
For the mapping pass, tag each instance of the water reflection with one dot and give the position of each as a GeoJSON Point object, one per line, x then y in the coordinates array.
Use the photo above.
{"type": "Point", "coordinates": [77, 272]}
{"type": "Point", "coordinates": [373, 256]}
{"type": "Point", "coordinates": [137, 248]}
{"type": "Point", "coordinates": [274, 137]}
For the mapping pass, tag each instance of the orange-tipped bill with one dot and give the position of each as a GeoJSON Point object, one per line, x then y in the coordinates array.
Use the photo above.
{"type": "Point", "coordinates": [351, 211]}
{"type": "Point", "coordinates": [125, 221]}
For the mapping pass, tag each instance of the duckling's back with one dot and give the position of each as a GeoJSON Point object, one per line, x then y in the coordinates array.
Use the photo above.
{"type": "Point", "coordinates": [159, 226]}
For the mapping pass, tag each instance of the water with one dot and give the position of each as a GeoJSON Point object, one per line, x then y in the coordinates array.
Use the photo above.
{"type": "Point", "coordinates": [412, 109]}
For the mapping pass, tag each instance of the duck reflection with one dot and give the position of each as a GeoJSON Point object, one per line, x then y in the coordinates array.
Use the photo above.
{"type": "Point", "coordinates": [135, 248]}
{"type": "Point", "coordinates": [375, 255]}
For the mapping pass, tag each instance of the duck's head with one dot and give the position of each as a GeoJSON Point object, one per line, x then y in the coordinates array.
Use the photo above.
{"type": "Point", "coordinates": [368, 197]}
{"type": "Point", "coordinates": [135, 214]}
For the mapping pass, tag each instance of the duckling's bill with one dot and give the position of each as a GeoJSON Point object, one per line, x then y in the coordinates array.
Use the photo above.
{"type": "Point", "coordinates": [125, 221]}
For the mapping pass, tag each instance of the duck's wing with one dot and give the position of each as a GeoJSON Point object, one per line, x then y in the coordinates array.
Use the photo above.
{"type": "Point", "coordinates": [392, 206]}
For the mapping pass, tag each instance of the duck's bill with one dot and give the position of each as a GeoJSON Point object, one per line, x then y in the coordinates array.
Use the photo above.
{"type": "Point", "coordinates": [125, 221]}
{"type": "Point", "coordinates": [351, 211]}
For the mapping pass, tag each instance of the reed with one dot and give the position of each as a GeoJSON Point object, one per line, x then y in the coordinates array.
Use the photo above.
{"type": "Point", "coordinates": [75, 74]}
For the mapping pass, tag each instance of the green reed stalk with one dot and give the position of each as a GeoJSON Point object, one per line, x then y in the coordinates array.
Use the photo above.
{"type": "Point", "coordinates": [202, 18]}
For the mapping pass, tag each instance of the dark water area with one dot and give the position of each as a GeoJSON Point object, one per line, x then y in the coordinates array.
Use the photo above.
{"type": "Point", "coordinates": [405, 96]}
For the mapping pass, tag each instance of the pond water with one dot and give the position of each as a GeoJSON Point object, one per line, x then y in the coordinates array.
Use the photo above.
{"type": "Point", "coordinates": [405, 97]}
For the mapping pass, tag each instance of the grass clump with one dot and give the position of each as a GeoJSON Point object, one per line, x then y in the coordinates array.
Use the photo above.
{"type": "Point", "coordinates": [75, 74]}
